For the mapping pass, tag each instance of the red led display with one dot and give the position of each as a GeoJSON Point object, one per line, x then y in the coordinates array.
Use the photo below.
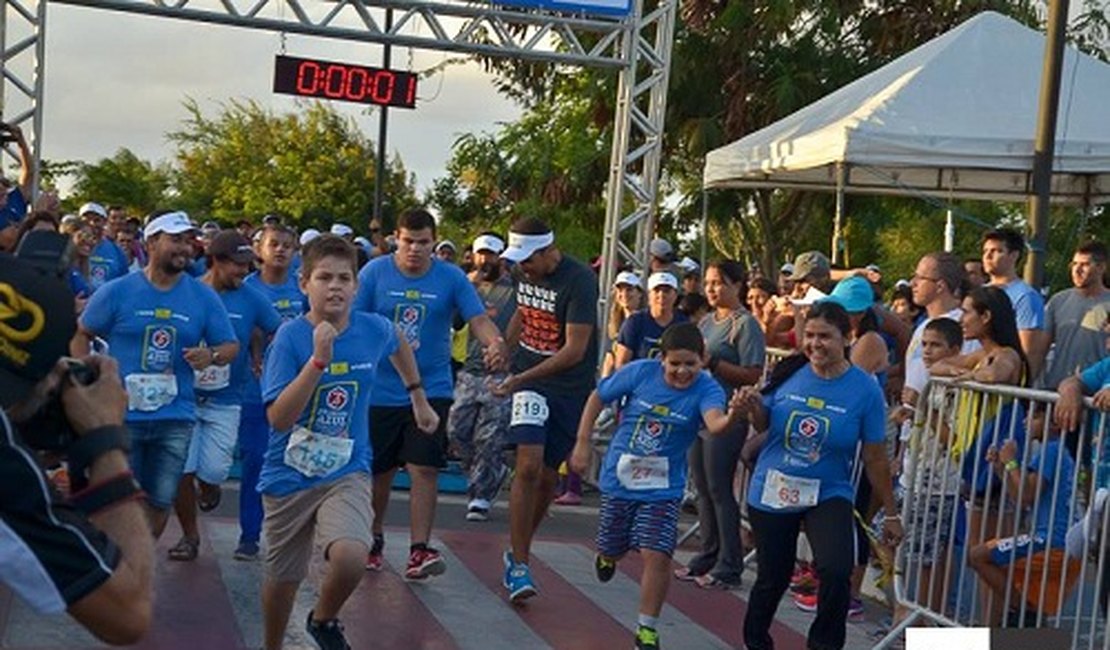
{"type": "Point", "coordinates": [344, 81]}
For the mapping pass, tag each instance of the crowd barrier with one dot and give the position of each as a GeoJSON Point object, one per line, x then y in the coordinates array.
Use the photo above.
{"type": "Point", "coordinates": [963, 517]}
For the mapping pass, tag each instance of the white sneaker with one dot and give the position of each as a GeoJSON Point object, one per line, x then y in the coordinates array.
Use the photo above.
{"type": "Point", "coordinates": [477, 510]}
{"type": "Point", "coordinates": [1081, 535]}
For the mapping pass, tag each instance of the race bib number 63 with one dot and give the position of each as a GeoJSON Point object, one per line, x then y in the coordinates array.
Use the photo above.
{"type": "Point", "coordinates": [529, 408]}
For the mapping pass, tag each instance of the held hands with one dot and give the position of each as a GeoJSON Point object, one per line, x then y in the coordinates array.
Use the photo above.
{"type": "Point", "coordinates": [745, 401]}
{"type": "Point", "coordinates": [100, 404]}
{"type": "Point", "coordinates": [323, 342]}
{"type": "Point", "coordinates": [199, 358]}
{"type": "Point", "coordinates": [580, 458]}
{"type": "Point", "coordinates": [505, 387]}
{"type": "Point", "coordinates": [496, 356]}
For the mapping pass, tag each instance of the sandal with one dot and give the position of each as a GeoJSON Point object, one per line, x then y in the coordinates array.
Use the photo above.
{"type": "Point", "coordinates": [686, 574]}
{"type": "Point", "coordinates": [709, 581]}
{"type": "Point", "coordinates": [185, 550]}
{"type": "Point", "coordinates": [213, 501]}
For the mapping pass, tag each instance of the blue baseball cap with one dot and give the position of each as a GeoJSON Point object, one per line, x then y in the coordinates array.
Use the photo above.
{"type": "Point", "coordinates": [854, 294]}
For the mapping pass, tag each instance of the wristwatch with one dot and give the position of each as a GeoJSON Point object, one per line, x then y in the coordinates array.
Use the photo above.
{"type": "Point", "coordinates": [215, 355]}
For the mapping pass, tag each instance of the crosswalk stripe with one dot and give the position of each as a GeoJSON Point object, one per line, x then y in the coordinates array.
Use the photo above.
{"type": "Point", "coordinates": [621, 597]}
{"type": "Point", "coordinates": [463, 605]}
{"type": "Point", "coordinates": [558, 614]}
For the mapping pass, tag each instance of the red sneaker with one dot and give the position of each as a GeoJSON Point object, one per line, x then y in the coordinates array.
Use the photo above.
{"type": "Point", "coordinates": [804, 580]}
{"type": "Point", "coordinates": [806, 602]}
{"type": "Point", "coordinates": [374, 561]}
{"type": "Point", "coordinates": [424, 563]}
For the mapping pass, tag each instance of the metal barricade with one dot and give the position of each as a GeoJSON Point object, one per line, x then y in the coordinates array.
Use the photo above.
{"type": "Point", "coordinates": [991, 546]}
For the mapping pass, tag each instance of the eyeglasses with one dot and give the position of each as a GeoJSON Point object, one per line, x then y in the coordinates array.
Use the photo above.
{"type": "Point", "coordinates": [923, 277]}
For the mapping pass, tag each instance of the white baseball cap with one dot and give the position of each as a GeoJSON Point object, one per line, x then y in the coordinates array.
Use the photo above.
{"type": "Point", "coordinates": [341, 229]}
{"type": "Point", "coordinates": [171, 223]}
{"type": "Point", "coordinates": [627, 277]}
{"type": "Point", "coordinates": [446, 243]}
{"type": "Point", "coordinates": [491, 243]}
{"type": "Point", "coordinates": [308, 235]}
{"type": "Point", "coordinates": [93, 208]}
{"type": "Point", "coordinates": [662, 279]}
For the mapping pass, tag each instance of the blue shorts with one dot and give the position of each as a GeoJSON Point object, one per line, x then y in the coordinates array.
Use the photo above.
{"type": "Point", "coordinates": [1006, 550]}
{"type": "Point", "coordinates": [624, 525]}
{"type": "Point", "coordinates": [213, 446]}
{"type": "Point", "coordinates": [158, 452]}
{"type": "Point", "coordinates": [559, 431]}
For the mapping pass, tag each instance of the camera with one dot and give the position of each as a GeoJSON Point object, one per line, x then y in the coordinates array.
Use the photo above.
{"type": "Point", "coordinates": [49, 430]}
{"type": "Point", "coordinates": [6, 134]}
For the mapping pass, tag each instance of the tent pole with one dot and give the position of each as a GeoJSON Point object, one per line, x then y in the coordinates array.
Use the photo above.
{"type": "Point", "coordinates": [1045, 142]}
{"type": "Point", "coordinates": [949, 232]}
{"type": "Point", "coordinates": [704, 227]}
{"type": "Point", "coordinates": [838, 218]}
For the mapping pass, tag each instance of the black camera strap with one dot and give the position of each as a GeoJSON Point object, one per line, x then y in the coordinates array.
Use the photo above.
{"type": "Point", "coordinates": [90, 446]}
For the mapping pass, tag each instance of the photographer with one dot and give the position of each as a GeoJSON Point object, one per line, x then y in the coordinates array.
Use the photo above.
{"type": "Point", "coordinates": [14, 198]}
{"type": "Point", "coordinates": [90, 554]}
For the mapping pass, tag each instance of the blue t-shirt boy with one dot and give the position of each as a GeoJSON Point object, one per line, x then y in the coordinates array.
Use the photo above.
{"type": "Point", "coordinates": [147, 330]}
{"type": "Point", "coordinates": [658, 422]}
{"type": "Point", "coordinates": [422, 309]}
{"type": "Point", "coordinates": [816, 426]}
{"type": "Point", "coordinates": [1055, 491]}
{"type": "Point", "coordinates": [248, 309]}
{"type": "Point", "coordinates": [106, 263]}
{"type": "Point", "coordinates": [340, 402]}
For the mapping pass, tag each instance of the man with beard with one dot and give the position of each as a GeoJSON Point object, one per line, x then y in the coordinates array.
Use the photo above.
{"type": "Point", "coordinates": [1074, 317]}
{"type": "Point", "coordinates": [418, 294]}
{"type": "Point", "coordinates": [107, 260]}
{"type": "Point", "coordinates": [479, 420]}
{"type": "Point", "coordinates": [220, 388]}
{"type": "Point", "coordinates": [154, 322]}
{"type": "Point", "coordinates": [553, 366]}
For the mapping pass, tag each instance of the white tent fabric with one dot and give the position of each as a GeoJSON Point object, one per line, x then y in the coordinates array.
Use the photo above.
{"type": "Point", "coordinates": [955, 117]}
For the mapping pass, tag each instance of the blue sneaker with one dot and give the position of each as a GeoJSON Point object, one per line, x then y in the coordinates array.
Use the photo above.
{"type": "Point", "coordinates": [507, 561]}
{"type": "Point", "coordinates": [518, 580]}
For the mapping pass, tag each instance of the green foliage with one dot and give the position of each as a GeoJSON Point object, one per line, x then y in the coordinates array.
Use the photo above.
{"type": "Point", "coordinates": [551, 164]}
{"type": "Point", "coordinates": [314, 166]}
{"type": "Point", "coordinates": [124, 179]}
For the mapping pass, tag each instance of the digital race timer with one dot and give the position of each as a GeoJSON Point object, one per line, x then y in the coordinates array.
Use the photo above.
{"type": "Point", "coordinates": [344, 81]}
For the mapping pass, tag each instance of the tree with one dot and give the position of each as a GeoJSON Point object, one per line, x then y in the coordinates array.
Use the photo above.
{"type": "Point", "coordinates": [124, 179]}
{"type": "Point", "coordinates": [314, 166]}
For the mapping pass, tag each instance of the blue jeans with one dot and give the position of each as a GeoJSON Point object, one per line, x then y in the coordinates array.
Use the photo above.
{"type": "Point", "coordinates": [254, 434]}
{"type": "Point", "coordinates": [158, 451]}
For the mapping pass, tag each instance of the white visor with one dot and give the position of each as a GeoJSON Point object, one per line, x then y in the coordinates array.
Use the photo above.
{"type": "Point", "coordinates": [812, 295]}
{"type": "Point", "coordinates": [627, 277]}
{"type": "Point", "coordinates": [662, 279]}
{"type": "Point", "coordinates": [521, 247]}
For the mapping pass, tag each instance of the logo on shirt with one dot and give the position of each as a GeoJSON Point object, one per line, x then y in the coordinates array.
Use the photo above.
{"type": "Point", "coordinates": [333, 408]}
{"type": "Point", "coordinates": [409, 317]}
{"type": "Point", "coordinates": [805, 435]}
{"type": "Point", "coordinates": [159, 343]}
{"type": "Point", "coordinates": [98, 274]}
{"type": "Point", "coordinates": [649, 435]}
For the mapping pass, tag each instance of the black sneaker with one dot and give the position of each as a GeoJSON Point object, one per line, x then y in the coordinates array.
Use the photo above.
{"type": "Point", "coordinates": [605, 568]}
{"type": "Point", "coordinates": [327, 634]}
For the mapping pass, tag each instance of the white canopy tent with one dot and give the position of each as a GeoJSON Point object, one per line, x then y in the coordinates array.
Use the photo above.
{"type": "Point", "coordinates": [954, 118]}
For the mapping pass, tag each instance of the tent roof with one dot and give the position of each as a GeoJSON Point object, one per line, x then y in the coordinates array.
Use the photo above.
{"type": "Point", "coordinates": [955, 117]}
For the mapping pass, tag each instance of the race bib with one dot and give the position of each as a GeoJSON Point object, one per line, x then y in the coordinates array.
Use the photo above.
{"type": "Point", "coordinates": [529, 408]}
{"type": "Point", "coordinates": [213, 377]}
{"type": "Point", "coordinates": [644, 472]}
{"type": "Point", "coordinates": [149, 392]}
{"type": "Point", "coordinates": [315, 455]}
{"type": "Point", "coordinates": [782, 491]}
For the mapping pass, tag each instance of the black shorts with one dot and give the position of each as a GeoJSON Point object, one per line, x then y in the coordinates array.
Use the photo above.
{"type": "Point", "coordinates": [397, 441]}
{"type": "Point", "coordinates": [559, 431]}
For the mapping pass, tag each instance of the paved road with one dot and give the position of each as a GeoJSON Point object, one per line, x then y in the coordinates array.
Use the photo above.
{"type": "Point", "coordinates": [213, 603]}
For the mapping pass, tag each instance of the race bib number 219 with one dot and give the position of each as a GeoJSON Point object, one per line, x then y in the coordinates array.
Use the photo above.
{"type": "Point", "coordinates": [529, 408]}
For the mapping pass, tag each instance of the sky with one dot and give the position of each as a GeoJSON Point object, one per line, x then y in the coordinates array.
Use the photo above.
{"type": "Point", "coordinates": [119, 80]}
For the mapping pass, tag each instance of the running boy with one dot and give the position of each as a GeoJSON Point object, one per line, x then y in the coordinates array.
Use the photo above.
{"type": "Point", "coordinates": [644, 472]}
{"type": "Point", "coordinates": [315, 480]}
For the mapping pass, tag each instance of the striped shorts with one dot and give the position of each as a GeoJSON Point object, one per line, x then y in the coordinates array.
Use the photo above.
{"type": "Point", "coordinates": [624, 524]}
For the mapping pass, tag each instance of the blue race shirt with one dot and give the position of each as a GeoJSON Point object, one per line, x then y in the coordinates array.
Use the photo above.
{"type": "Point", "coordinates": [248, 309]}
{"type": "Point", "coordinates": [422, 310]}
{"type": "Point", "coordinates": [340, 402]}
{"type": "Point", "coordinates": [657, 420]}
{"type": "Point", "coordinates": [148, 329]}
{"type": "Point", "coordinates": [1028, 305]}
{"type": "Point", "coordinates": [106, 263]}
{"type": "Point", "coordinates": [289, 302]}
{"type": "Point", "coordinates": [77, 284]}
{"type": "Point", "coordinates": [641, 333]}
{"type": "Point", "coordinates": [1055, 491]}
{"type": "Point", "coordinates": [816, 427]}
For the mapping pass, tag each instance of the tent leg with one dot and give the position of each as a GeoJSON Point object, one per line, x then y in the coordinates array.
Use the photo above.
{"type": "Point", "coordinates": [838, 218]}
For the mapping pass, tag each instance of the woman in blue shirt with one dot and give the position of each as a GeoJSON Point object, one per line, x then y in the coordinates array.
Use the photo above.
{"type": "Point", "coordinates": [818, 409]}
